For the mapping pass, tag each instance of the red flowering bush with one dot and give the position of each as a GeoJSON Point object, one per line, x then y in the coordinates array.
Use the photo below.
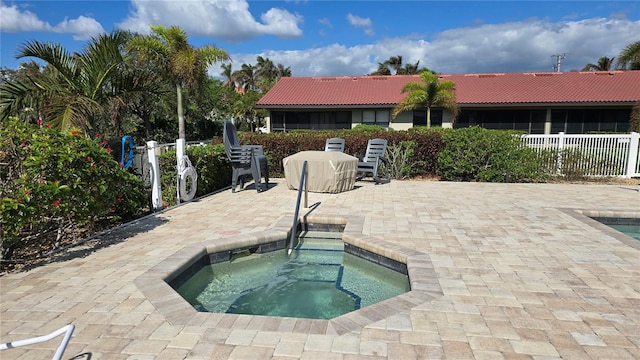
{"type": "Point", "coordinates": [54, 183]}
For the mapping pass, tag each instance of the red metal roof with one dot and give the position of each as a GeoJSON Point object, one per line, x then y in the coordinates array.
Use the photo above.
{"type": "Point", "coordinates": [619, 87]}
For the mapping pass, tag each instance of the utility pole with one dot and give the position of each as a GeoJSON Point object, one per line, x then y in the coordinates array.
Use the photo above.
{"type": "Point", "coordinates": [559, 57]}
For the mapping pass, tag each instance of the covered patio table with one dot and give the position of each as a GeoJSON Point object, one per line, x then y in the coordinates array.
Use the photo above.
{"type": "Point", "coordinates": [327, 171]}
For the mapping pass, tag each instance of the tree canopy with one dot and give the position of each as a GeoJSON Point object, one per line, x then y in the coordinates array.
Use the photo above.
{"type": "Point", "coordinates": [184, 64]}
{"type": "Point", "coordinates": [427, 94]}
{"type": "Point", "coordinates": [629, 58]}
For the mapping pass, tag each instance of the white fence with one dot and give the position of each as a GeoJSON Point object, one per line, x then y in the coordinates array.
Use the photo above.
{"type": "Point", "coordinates": [590, 155]}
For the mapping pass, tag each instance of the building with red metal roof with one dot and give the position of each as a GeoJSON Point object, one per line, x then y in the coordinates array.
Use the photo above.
{"type": "Point", "coordinates": [550, 102]}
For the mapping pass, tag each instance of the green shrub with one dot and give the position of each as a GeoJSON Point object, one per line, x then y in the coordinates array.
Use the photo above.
{"type": "Point", "coordinates": [477, 154]}
{"type": "Point", "coordinates": [277, 146]}
{"type": "Point", "coordinates": [211, 164]}
{"type": "Point", "coordinates": [634, 118]}
{"type": "Point", "coordinates": [55, 183]}
{"type": "Point", "coordinates": [402, 163]}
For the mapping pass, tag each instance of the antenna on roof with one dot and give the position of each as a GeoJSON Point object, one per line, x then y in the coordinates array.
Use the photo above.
{"type": "Point", "coordinates": [559, 57]}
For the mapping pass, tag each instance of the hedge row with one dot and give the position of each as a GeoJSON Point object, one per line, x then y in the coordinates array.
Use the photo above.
{"type": "Point", "coordinates": [428, 144]}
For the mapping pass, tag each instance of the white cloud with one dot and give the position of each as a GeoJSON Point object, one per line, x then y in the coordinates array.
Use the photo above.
{"type": "Point", "coordinates": [363, 23]}
{"type": "Point", "coordinates": [358, 21]}
{"type": "Point", "coordinates": [83, 28]}
{"type": "Point", "coordinates": [223, 19]}
{"type": "Point", "coordinates": [326, 22]}
{"type": "Point", "coordinates": [13, 19]}
{"type": "Point", "coordinates": [509, 47]}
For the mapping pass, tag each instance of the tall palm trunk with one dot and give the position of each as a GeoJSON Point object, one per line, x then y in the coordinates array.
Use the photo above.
{"type": "Point", "coordinates": [180, 113]}
{"type": "Point", "coordinates": [428, 117]}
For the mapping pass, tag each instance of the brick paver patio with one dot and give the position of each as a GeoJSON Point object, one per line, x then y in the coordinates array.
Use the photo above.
{"type": "Point", "coordinates": [524, 274]}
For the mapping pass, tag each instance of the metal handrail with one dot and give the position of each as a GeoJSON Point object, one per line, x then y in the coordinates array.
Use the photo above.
{"type": "Point", "coordinates": [67, 330]}
{"type": "Point", "coordinates": [303, 183]}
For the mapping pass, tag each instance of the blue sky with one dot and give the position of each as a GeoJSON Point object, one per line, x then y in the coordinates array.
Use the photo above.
{"type": "Point", "coordinates": [335, 38]}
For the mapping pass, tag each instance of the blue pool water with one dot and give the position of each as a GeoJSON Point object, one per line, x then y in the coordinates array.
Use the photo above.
{"type": "Point", "coordinates": [631, 230]}
{"type": "Point", "coordinates": [317, 281]}
{"type": "Point", "coordinates": [627, 226]}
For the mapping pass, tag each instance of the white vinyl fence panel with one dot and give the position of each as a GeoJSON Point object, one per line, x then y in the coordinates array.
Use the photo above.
{"type": "Point", "coordinates": [589, 154]}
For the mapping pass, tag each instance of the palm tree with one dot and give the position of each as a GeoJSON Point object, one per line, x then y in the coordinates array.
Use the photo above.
{"type": "Point", "coordinates": [227, 73]}
{"type": "Point", "coordinates": [283, 71]}
{"type": "Point", "coordinates": [185, 65]}
{"type": "Point", "coordinates": [431, 92]}
{"type": "Point", "coordinates": [247, 77]}
{"type": "Point", "coordinates": [12, 81]}
{"type": "Point", "coordinates": [383, 69]}
{"type": "Point", "coordinates": [395, 62]}
{"type": "Point", "coordinates": [265, 69]}
{"type": "Point", "coordinates": [604, 64]}
{"type": "Point", "coordinates": [75, 88]}
{"type": "Point", "coordinates": [268, 73]}
{"type": "Point", "coordinates": [412, 69]}
{"type": "Point", "coordinates": [630, 57]}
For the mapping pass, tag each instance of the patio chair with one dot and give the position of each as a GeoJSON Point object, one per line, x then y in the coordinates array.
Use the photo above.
{"type": "Point", "coordinates": [372, 162]}
{"type": "Point", "coordinates": [245, 160]}
{"type": "Point", "coordinates": [334, 144]}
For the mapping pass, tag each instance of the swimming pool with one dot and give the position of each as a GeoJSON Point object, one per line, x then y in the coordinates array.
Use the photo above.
{"type": "Point", "coordinates": [319, 280]}
{"type": "Point", "coordinates": [627, 226]}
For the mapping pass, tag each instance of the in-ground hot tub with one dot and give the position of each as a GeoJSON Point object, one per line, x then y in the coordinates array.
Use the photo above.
{"type": "Point", "coordinates": [155, 283]}
{"type": "Point", "coordinates": [320, 279]}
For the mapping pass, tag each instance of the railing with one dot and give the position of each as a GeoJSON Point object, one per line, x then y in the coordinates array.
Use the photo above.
{"type": "Point", "coordinates": [303, 187]}
{"type": "Point", "coordinates": [589, 154]}
{"type": "Point", "coordinates": [67, 330]}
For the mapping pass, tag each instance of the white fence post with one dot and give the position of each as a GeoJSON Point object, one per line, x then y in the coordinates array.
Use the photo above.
{"type": "Point", "coordinates": [560, 155]}
{"type": "Point", "coordinates": [154, 168]}
{"type": "Point", "coordinates": [632, 164]}
{"type": "Point", "coordinates": [180, 148]}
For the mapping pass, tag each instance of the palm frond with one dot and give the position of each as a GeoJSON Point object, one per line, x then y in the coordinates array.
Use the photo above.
{"type": "Point", "coordinates": [55, 55]}
{"type": "Point", "coordinates": [630, 56]}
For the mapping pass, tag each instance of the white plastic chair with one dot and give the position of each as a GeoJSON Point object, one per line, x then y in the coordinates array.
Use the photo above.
{"type": "Point", "coordinates": [334, 144]}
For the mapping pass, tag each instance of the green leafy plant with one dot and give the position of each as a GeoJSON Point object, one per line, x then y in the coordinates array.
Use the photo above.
{"type": "Point", "coordinates": [56, 183]}
{"type": "Point", "coordinates": [211, 164]}
{"type": "Point", "coordinates": [634, 118]}
{"type": "Point", "coordinates": [280, 145]}
{"type": "Point", "coordinates": [402, 163]}
{"type": "Point", "coordinates": [477, 154]}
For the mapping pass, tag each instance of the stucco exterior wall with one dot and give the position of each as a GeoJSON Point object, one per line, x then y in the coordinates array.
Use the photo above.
{"type": "Point", "coordinates": [404, 121]}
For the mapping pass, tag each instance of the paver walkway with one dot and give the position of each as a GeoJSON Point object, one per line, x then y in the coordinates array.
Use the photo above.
{"type": "Point", "coordinates": [523, 275]}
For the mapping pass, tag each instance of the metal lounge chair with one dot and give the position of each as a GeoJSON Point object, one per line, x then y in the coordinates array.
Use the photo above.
{"type": "Point", "coordinates": [245, 160]}
{"type": "Point", "coordinates": [372, 161]}
{"type": "Point", "coordinates": [334, 144]}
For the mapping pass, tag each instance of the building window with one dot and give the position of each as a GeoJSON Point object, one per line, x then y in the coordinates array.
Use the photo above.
{"type": "Point", "coordinates": [311, 120]}
{"type": "Point", "coordinates": [420, 117]}
{"type": "Point", "coordinates": [376, 117]}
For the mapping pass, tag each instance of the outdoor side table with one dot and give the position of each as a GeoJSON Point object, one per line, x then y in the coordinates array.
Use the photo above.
{"type": "Point", "coordinates": [327, 171]}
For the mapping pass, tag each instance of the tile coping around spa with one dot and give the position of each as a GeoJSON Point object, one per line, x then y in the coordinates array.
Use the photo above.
{"type": "Point", "coordinates": [154, 283]}
{"type": "Point", "coordinates": [587, 217]}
